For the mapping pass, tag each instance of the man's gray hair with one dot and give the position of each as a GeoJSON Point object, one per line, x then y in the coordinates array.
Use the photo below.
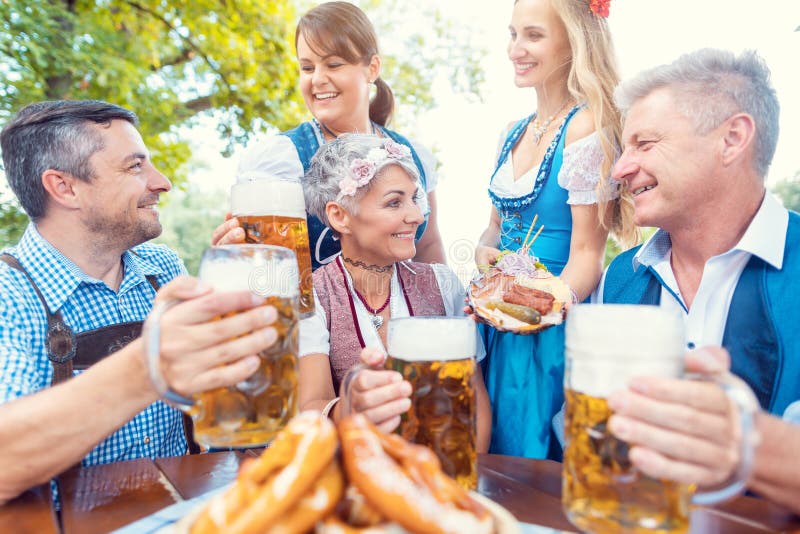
{"type": "Point", "coordinates": [53, 135]}
{"type": "Point", "coordinates": [710, 86]}
{"type": "Point", "coordinates": [331, 164]}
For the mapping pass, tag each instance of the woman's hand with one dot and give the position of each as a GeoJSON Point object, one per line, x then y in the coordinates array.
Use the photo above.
{"type": "Point", "coordinates": [486, 255]}
{"type": "Point", "coordinates": [228, 233]}
{"type": "Point", "coordinates": [381, 395]}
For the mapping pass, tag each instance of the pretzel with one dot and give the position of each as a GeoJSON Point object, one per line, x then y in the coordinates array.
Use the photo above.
{"type": "Point", "coordinates": [405, 482]}
{"type": "Point", "coordinates": [316, 505]}
{"type": "Point", "coordinates": [336, 525]}
{"type": "Point", "coordinates": [356, 511]}
{"type": "Point", "coordinates": [274, 483]}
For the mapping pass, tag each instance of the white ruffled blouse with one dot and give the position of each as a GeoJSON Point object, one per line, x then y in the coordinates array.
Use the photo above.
{"type": "Point", "coordinates": [579, 174]}
{"type": "Point", "coordinates": [276, 156]}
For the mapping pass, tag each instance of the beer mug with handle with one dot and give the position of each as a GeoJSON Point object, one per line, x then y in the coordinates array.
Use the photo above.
{"type": "Point", "coordinates": [606, 346]}
{"type": "Point", "coordinates": [272, 211]}
{"type": "Point", "coordinates": [437, 355]}
{"type": "Point", "coordinates": [251, 412]}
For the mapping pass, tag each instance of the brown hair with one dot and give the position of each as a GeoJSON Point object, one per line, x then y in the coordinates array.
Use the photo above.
{"type": "Point", "coordinates": [342, 29]}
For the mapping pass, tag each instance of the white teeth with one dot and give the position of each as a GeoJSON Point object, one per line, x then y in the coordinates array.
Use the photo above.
{"type": "Point", "coordinates": [325, 96]}
{"type": "Point", "coordinates": [525, 66]}
{"type": "Point", "coordinates": [642, 189]}
{"type": "Point", "coordinates": [403, 236]}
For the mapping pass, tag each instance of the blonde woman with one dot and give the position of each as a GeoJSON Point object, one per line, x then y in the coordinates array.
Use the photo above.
{"type": "Point", "coordinates": [553, 164]}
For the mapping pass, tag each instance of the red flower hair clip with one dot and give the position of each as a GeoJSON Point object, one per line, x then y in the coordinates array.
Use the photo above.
{"type": "Point", "coordinates": [599, 7]}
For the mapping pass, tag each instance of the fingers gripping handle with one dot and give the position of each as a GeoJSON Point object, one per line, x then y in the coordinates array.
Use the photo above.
{"type": "Point", "coordinates": [152, 343]}
{"type": "Point", "coordinates": [747, 407]}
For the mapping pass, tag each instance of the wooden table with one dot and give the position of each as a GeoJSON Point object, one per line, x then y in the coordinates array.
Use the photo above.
{"type": "Point", "coordinates": [106, 497]}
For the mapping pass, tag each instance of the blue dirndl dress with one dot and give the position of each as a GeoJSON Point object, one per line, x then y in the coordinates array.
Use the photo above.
{"type": "Point", "coordinates": [524, 374]}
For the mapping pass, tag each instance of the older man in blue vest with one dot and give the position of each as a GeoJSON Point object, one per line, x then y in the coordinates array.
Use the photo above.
{"type": "Point", "coordinates": [698, 139]}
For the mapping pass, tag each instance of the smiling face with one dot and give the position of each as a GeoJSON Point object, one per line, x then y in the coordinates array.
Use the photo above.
{"type": "Point", "coordinates": [335, 91]}
{"type": "Point", "coordinates": [538, 45]}
{"type": "Point", "coordinates": [382, 229]}
{"type": "Point", "coordinates": [671, 170]}
{"type": "Point", "coordinates": [119, 202]}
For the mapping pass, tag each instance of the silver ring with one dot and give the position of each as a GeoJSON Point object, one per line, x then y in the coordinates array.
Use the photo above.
{"type": "Point", "coordinates": [152, 342]}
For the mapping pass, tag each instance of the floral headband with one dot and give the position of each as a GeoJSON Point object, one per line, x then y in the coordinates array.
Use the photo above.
{"type": "Point", "coordinates": [363, 170]}
{"type": "Point", "coordinates": [599, 7]}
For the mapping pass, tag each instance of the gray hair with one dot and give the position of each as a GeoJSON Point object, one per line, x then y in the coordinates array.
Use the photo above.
{"type": "Point", "coordinates": [710, 86]}
{"type": "Point", "coordinates": [331, 164]}
{"type": "Point", "coordinates": [53, 135]}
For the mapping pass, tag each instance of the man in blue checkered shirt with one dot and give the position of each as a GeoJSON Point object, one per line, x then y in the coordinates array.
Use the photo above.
{"type": "Point", "coordinates": [83, 175]}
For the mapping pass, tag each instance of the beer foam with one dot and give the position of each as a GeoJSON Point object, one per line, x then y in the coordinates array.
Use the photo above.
{"type": "Point", "coordinates": [266, 195]}
{"type": "Point", "coordinates": [609, 344]}
{"type": "Point", "coordinates": [431, 338]}
{"type": "Point", "coordinates": [268, 278]}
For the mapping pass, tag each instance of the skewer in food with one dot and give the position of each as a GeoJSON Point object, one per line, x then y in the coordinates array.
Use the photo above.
{"type": "Point", "coordinates": [518, 293]}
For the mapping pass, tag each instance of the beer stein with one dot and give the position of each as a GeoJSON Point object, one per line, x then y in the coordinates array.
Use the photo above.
{"type": "Point", "coordinates": [272, 211]}
{"type": "Point", "coordinates": [251, 412]}
{"type": "Point", "coordinates": [437, 355]}
{"type": "Point", "coordinates": [606, 346]}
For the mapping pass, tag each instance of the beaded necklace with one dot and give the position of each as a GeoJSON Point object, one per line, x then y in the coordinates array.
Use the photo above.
{"type": "Point", "coordinates": [353, 313]}
{"type": "Point", "coordinates": [539, 129]}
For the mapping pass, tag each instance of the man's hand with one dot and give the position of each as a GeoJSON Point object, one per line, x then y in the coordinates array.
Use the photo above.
{"type": "Point", "coordinates": [680, 429]}
{"type": "Point", "coordinates": [381, 395]}
{"type": "Point", "coordinates": [199, 353]}
{"type": "Point", "coordinates": [229, 232]}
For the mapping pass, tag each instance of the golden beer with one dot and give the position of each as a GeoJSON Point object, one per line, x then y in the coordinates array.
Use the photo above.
{"type": "Point", "coordinates": [606, 346]}
{"type": "Point", "coordinates": [272, 212]}
{"type": "Point", "coordinates": [437, 356]}
{"type": "Point", "coordinates": [252, 412]}
{"type": "Point", "coordinates": [602, 492]}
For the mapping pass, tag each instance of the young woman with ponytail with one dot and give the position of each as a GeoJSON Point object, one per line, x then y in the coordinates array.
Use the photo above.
{"type": "Point", "coordinates": [337, 50]}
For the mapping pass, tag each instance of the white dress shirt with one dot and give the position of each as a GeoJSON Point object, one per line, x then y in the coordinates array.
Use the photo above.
{"type": "Point", "coordinates": [705, 321]}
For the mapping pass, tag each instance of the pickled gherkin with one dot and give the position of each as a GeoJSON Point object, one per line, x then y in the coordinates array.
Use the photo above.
{"type": "Point", "coordinates": [523, 313]}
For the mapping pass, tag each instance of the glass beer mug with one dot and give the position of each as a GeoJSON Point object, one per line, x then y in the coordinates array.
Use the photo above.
{"type": "Point", "coordinates": [272, 211]}
{"type": "Point", "coordinates": [606, 346]}
{"type": "Point", "coordinates": [437, 356]}
{"type": "Point", "coordinates": [251, 412]}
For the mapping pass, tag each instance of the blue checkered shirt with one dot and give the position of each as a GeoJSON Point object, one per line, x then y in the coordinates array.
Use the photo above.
{"type": "Point", "coordinates": [85, 303]}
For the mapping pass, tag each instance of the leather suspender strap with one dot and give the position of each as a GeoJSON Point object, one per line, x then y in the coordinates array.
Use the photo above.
{"type": "Point", "coordinates": [60, 342]}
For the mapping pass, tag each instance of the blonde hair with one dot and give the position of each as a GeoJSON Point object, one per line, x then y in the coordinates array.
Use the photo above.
{"type": "Point", "coordinates": [593, 75]}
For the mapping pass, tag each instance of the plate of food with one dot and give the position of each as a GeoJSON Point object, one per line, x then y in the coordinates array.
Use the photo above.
{"type": "Point", "coordinates": [318, 478]}
{"type": "Point", "coordinates": [519, 294]}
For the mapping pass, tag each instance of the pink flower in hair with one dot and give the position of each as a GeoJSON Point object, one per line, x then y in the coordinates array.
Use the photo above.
{"type": "Point", "coordinates": [396, 150]}
{"type": "Point", "coordinates": [347, 187]}
{"type": "Point", "coordinates": [362, 171]}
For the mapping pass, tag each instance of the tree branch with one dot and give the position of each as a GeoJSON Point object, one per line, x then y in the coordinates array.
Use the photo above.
{"type": "Point", "coordinates": [199, 104]}
{"type": "Point", "coordinates": [186, 40]}
{"type": "Point", "coordinates": [185, 55]}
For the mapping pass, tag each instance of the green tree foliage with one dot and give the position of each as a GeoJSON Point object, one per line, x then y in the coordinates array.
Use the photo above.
{"type": "Point", "coordinates": [12, 223]}
{"type": "Point", "coordinates": [188, 218]}
{"type": "Point", "coordinates": [415, 55]}
{"type": "Point", "coordinates": [172, 61]}
{"type": "Point", "coordinates": [789, 192]}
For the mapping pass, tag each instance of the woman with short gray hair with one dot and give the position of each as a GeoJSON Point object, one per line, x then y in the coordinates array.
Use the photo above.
{"type": "Point", "coordinates": [367, 190]}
